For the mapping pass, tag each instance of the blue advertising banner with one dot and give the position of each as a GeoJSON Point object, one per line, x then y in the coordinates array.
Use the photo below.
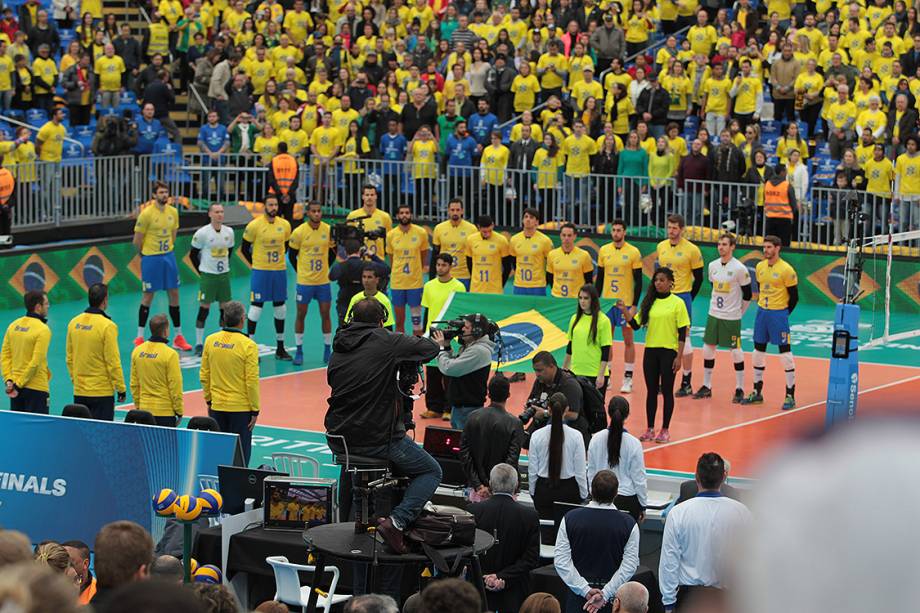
{"type": "Point", "coordinates": [63, 478]}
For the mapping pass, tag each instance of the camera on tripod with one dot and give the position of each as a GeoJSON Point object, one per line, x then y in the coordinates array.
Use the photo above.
{"type": "Point", "coordinates": [855, 214]}
{"type": "Point", "coordinates": [353, 229]}
{"type": "Point", "coordinates": [742, 218]}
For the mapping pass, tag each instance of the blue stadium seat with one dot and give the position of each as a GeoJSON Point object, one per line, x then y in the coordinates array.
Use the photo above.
{"type": "Point", "coordinates": [15, 114]}
{"type": "Point", "coordinates": [106, 111]}
{"type": "Point", "coordinates": [769, 126]}
{"type": "Point", "coordinates": [36, 117]}
{"type": "Point", "coordinates": [127, 97]}
{"type": "Point", "coordinates": [72, 151]}
{"type": "Point", "coordinates": [66, 37]}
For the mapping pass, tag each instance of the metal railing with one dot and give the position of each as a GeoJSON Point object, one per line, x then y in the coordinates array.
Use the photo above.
{"type": "Point", "coordinates": [35, 129]}
{"type": "Point", "coordinates": [108, 188]}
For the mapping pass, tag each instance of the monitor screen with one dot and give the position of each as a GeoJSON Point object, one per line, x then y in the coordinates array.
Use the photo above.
{"type": "Point", "coordinates": [299, 503]}
{"type": "Point", "coordinates": [443, 442]}
{"type": "Point", "coordinates": [238, 483]}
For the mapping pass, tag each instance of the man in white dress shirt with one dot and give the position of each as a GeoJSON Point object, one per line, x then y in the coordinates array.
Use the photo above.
{"type": "Point", "coordinates": [697, 536]}
{"type": "Point", "coordinates": [597, 549]}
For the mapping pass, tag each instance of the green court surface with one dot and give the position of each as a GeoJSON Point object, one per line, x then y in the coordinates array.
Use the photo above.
{"type": "Point", "coordinates": [811, 333]}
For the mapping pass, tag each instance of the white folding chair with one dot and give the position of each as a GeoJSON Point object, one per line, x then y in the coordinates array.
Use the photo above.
{"type": "Point", "coordinates": [295, 464]}
{"type": "Point", "coordinates": [289, 591]}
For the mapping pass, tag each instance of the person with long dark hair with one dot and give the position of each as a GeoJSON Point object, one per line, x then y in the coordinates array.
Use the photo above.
{"type": "Point", "coordinates": [556, 461]}
{"type": "Point", "coordinates": [590, 337]}
{"type": "Point", "coordinates": [664, 316]}
{"type": "Point", "coordinates": [617, 450]}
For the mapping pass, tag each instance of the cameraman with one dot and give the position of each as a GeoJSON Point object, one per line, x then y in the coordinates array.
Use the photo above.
{"type": "Point", "coordinates": [468, 370]}
{"type": "Point", "coordinates": [348, 273]}
{"type": "Point", "coordinates": [551, 379]}
{"type": "Point", "coordinates": [366, 410]}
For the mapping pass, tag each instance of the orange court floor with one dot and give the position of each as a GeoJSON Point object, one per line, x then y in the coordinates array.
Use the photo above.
{"type": "Point", "coordinates": [743, 434]}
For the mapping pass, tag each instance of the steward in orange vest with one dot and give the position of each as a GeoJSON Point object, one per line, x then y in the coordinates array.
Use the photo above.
{"type": "Point", "coordinates": [780, 206]}
{"type": "Point", "coordinates": [7, 192]}
{"type": "Point", "coordinates": [283, 174]}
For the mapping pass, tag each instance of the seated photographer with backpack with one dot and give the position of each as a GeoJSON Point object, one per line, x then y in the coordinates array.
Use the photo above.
{"type": "Point", "coordinates": [551, 379]}
{"type": "Point", "coordinates": [365, 408]}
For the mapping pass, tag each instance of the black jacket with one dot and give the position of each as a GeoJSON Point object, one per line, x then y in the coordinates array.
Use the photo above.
{"type": "Point", "coordinates": [521, 155]}
{"type": "Point", "coordinates": [130, 51]}
{"type": "Point", "coordinates": [517, 553]}
{"type": "Point", "coordinates": [348, 274]}
{"type": "Point", "coordinates": [656, 102]}
{"type": "Point", "coordinates": [491, 436]}
{"type": "Point", "coordinates": [414, 118]}
{"type": "Point", "coordinates": [364, 406]}
{"type": "Point", "coordinates": [907, 125]}
{"type": "Point", "coordinates": [160, 96]}
{"type": "Point", "coordinates": [727, 164]}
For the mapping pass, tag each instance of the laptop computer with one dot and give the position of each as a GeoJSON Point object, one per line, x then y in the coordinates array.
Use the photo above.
{"type": "Point", "coordinates": [237, 483]}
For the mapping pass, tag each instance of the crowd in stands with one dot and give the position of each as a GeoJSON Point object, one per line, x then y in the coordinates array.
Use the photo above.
{"type": "Point", "coordinates": [587, 84]}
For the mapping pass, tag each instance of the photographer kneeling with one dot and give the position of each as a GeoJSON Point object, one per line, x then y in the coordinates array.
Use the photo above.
{"type": "Point", "coordinates": [551, 379]}
{"type": "Point", "coordinates": [468, 370]}
{"type": "Point", "coordinates": [366, 409]}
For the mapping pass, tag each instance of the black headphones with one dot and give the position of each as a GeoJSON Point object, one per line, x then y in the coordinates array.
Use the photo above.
{"type": "Point", "coordinates": [481, 326]}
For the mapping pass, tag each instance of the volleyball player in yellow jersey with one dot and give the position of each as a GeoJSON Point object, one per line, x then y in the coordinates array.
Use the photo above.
{"type": "Point", "coordinates": [686, 262]}
{"type": "Point", "coordinates": [263, 247]}
{"type": "Point", "coordinates": [407, 246]}
{"type": "Point", "coordinates": [488, 258]}
{"type": "Point", "coordinates": [372, 218]}
{"type": "Point", "coordinates": [450, 237]}
{"type": "Point", "coordinates": [155, 239]}
{"type": "Point", "coordinates": [312, 251]}
{"type": "Point", "coordinates": [747, 90]}
{"type": "Point", "coordinates": [779, 293]}
{"type": "Point", "coordinates": [529, 249]}
{"type": "Point", "coordinates": [568, 267]}
{"type": "Point", "coordinates": [907, 185]}
{"type": "Point", "coordinates": [619, 278]}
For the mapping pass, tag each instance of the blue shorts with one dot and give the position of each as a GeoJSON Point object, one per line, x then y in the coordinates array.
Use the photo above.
{"type": "Point", "coordinates": [688, 300]}
{"type": "Point", "coordinates": [529, 291]}
{"type": "Point", "coordinates": [615, 315]}
{"type": "Point", "coordinates": [771, 327]}
{"type": "Point", "coordinates": [404, 297]}
{"type": "Point", "coordinates": [268, 286]}
{"type": "Point", "coordinates": [466, 283]}
{"type": "Point", "coordinates": [159, 272]}
{"type": "Point", "coordinates": [321, 293]}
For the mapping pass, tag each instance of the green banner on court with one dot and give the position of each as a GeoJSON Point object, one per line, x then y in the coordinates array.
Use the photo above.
{"type": "Point", "coordinates": [67, 272]}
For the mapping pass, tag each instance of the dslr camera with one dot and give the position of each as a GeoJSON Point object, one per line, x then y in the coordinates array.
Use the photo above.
{"type": "Point", "coordinates": [354, 229]}
{"type": "Point", "coordinates": [533, 404]}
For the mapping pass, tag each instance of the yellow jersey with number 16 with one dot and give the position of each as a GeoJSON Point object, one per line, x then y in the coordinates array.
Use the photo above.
{"type": "Point", "coordinates": [157, 227]}
{"type": "Point", "coordinates": [268, 240]}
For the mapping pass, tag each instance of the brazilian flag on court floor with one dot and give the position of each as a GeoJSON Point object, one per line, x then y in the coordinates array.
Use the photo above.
{"type": "Point", "coordinates": [528, 324]}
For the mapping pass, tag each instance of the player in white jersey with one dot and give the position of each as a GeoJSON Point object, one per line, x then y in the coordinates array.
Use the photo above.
{"type": "Point", "coordinates": [731, 296]}
{"type": "Point", "coordinates": [210, 253]}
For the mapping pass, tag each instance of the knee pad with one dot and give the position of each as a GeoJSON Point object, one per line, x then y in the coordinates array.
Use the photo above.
{"type": "Point", "coordinates": [785, 349]}
{"type": "Point", "coordinates": [280, 311]}
{"type": "Point", "coordinates": [737, 355]}
{"type": "Point", "coordinates": [709, 352]}
{"type": "Point", "coordinates": [787, 360]}
{"type": "Point", "coordinates": [762, 347]}
{"type": "Point", "coordinates": [255, 311]}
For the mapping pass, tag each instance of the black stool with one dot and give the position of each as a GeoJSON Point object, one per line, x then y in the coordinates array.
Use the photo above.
{"type": "Point", "coordinates": [369, 477]}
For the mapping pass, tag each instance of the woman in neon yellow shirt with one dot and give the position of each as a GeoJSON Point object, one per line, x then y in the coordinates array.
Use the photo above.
{"type": "Point", "coordinates": [547, 162]}
{"type": "Point", "coordinates": [590, 337]}
{"type": "Point", "coordinates": [665, 318]}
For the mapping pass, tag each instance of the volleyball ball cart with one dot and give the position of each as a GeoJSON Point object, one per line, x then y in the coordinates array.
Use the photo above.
{"type": "Point", "coordinates": [186, 509]}
{"type": "Point", "coordinates": [843, 379]}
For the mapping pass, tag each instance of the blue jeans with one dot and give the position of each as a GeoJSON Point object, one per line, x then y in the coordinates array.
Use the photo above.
{"type": "Point", "coordinates": [411, 461]}
{"type": "Point", "coordinates": [459, 415]}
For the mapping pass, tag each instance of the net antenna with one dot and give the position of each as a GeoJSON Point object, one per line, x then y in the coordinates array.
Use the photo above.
{"type": "Point", "coordinates": [889, 241]}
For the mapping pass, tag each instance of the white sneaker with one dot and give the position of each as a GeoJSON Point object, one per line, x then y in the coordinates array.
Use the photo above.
{"type": "Point", "coordinates": [626, 388]}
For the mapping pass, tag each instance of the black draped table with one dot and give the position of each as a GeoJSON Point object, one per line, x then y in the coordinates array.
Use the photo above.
{"type": "Point", "coordinates": [339, 541]}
